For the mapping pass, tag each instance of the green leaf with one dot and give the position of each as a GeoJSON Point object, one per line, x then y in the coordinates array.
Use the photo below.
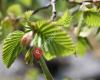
{"type": "Point", "coordinates": [28, 57]}
{"type": "Point", "coordinates": [27, 14]}
{"type": "Point", "coordinates": [65, 20]}
{"type": "Point", "coordinates": [55, 41]}
{"type": "Point", "coordinates": [92, 19]}
{"type": "Point", "coordinates": [11, 47]}
{"type": "Point", "coordinates": [82, 46]}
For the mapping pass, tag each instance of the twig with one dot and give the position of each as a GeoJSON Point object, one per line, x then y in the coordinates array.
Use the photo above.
{"type": "Point", "coordinates": [37, 10]}
{"type": "Point", "coordinates": [91, 1]}
{"type": "Point", "coordinates": [45, 69]}
{"type": "Point", "coordinates": [53, 4]}
{"type": "Point", "coordinates": [74, 9]}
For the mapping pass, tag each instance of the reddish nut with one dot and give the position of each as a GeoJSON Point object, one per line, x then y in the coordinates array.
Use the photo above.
{"type": "Point", "coordinates": [37, 53]}
{"type": "Point", "coordinates": [27, 38]}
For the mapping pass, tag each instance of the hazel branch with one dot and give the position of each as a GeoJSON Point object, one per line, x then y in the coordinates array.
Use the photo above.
{"type": "Point", "coordinates": [91, 1]}
{"type": "Point", "coordinates": [53, 4]}
{"type": "Point", "coordinates": [44, 7]}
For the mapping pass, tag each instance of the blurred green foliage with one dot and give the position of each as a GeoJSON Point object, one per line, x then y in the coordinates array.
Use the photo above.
{"type": "Point", "coordinates": [15, 10]}
{"type": "Point", "coordinates": [81, 21]}
{"type": "Point", "coordinates": [32, 74]}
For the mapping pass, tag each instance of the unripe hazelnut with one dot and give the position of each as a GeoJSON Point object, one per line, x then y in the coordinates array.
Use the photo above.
{"type": "Point", "coordinates": [27, 38]}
